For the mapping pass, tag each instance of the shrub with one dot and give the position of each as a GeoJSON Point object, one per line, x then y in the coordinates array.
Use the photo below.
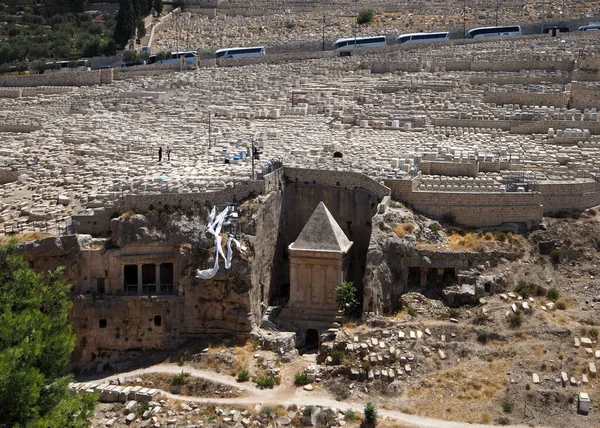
{"type": "Point", "coordinates": [365, 16]}
{"type": "Point", "coordinates": [515, 319]}
{"type": "Point", "coordinates": [346, 298]}
{"type": "Point", "coordinates": [266, 411]}
{"type": "Point", "coordinates": [337, 356]}
{"type": "Point", "coordinates": [370, 414]}
{"type": "Point", "coordinates": [265, 382]}
{"type": "Point", "coordinates": [561, 305]}
{"type": "Point", "coordinates": [507, 405]}
{"type": "Point", "coordinates": [300, 379]}
{"type": "Point", "coordinates": [435, 227]}
{"type": "Point", "coordinates": [555, 256]}
{"type": "Point", "coordinates": [180, 379]}
{"type": "Point", "coordinates": [350, 416]}
{"type": "Point", "coordinates": [483, 336]}
{"type": "Point", "coordinates": [243, 375]}
{"type": "Point", "coordinates": [594, 332]}
{"type": "Point", "coordinates": [553, 294]}
{"type": "Point", "coordinates": [523, 289]}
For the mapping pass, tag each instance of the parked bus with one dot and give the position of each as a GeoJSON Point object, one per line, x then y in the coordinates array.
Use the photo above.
{"type": "Point", "coordinates": [484, 32]}
{"type": "Point", "coordinates": [344, 46]}
{"type": "Point", "coordinates": [592, 26]}
{"type": "Point", "coordinates": [240, 52]}
{"type": "Point", "coordinates": [64, 66]}
{"type": "Point", "coordinates": [423, 37]}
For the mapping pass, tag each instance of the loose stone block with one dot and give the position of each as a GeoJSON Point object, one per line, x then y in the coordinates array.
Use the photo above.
{"type": "Point", "coordinates": [536, 378]}
{"type": "Point", "coordinates": [592, 369]}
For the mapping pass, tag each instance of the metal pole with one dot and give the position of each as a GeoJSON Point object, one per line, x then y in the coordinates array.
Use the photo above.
{"type": "Point", "coordinates": [465, 19]}
{"type": "Point", "coordinates": [496, 13]}
{"type": "Point", "coordinates": [323, 28]}
{"type": "Point", "coordinates": [252, 142]}
{"type": "Point", "coordinates": [209, 129]}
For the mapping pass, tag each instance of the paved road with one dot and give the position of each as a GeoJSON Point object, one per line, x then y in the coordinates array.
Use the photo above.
{"type": "Point", "coordinates": [285, 395]}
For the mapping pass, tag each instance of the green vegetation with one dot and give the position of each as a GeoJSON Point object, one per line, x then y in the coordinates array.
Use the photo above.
{"type": "Point", "coordinates": [300, 379]}
{"type": "Point", "coordinates": [265, 382]}
{"type": "Point", "coordinates": [35, 343]}
{"type": "Point", "coordinates": [515, 319]}
{"type": "Point", "coordinates": [34, 37]}
{"type": "Point", "coordinates": [483, 336]}
{"type": "Point", "coordinates": [180, 379]}
{"type": "Point", "coordinates": [553, 294]}
{"type": "Point", "coordinates": [243, 375]}
{"type": "Point", "coordinates": [594, 332]}
{"type": "Point", "coordinates": [267, 411]}
{"type": "Point", "coordinates": [555, 256]}
{"type": "Point", "coordinates": [337, 357]}
{"type": "Point", "coordinates": [507, 405]}
{"type": "Point", "coordinates": [350, 416]}
{"type": "Point", "coordinates": [365, 16]}
{"type": "Point", "coordinates": [370, 414]}
{"type": "Point", "coordinates": [346, 297]}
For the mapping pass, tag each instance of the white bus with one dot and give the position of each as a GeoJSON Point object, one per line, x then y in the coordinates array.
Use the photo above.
{"type": "Point", "coordinates": [484, 32]}
{"type": "Point", "coordinates": [423, 37]}
{"type": "Point", "coordinates": [592, 26]}
{"type": "Point", "coordinates": [65, 66]}
{"type": "Point", "coordinates": [343, 46]}
{"type": "Point", "coordinates": [240, 52]}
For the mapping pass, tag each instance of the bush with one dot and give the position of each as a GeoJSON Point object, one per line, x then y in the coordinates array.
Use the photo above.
{"type": "Point", "coordinates": [266, 411]}
{"type": "Point", "coordinates": [243, 375]}
{"type": "Point", "coordinates": [346, 298]}
{"type": "Point", "coordinates": [555, 256]}
{"type": "Point", "coordinates": [337, 356]}
{"type": "Point", "coordinates": [553, 294]}
{"type": "Point", "coordinates": [435, 227]}
{"type": "Point", "coordinates": [483, 336]}
{"type": "Point", "coordinates": [365, 16]}
{"type": "Point", "coordinates": [561, 305]}
{"type": "Point", "coordinates": [180, 379]}
{"type": "Point", "coordinates": [370, 414]}
{"type": "Point", "coordinates": [300, 379]}
{"type": "Point", "coordinates": [594, 332]}
{"type": "Point", "coordinates": [350, 416]}
{"type": "Point", "coordinates": [515, 319]}
{"type": "Point", "coordinates": [507, 405]}
{"type": "Point", "coordinates": [265, 382]}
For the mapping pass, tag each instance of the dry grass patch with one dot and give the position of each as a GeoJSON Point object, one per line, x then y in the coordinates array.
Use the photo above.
{"type": "Point", "coordinates": [404, 229]}
{"type": "Point", "coordinates": [24, 237]}
{"type": "Point", "coordinates": [485, 241]}
{"type": "Point", "coordinates": [464, 392]}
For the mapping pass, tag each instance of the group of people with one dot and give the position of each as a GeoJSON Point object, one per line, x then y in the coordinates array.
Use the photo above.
{"type": "Point", "coordinates": [160, 154]}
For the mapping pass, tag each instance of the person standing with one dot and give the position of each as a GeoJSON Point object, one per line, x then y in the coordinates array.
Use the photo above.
{"type": "Point", "coordinates": [168, 154]}
{"type": "Point", "coordinates": [160, 154]}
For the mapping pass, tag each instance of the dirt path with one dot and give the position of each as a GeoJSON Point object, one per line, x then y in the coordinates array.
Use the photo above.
{"type": "Point", "coordinates": [284, 395]}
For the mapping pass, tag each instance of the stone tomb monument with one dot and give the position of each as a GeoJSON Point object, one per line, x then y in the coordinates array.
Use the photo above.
{"type": "Point", "coordinates": [318, 264]}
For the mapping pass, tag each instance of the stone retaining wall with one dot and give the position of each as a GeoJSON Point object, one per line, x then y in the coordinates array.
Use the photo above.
{"type": "Point", "coordinates": [344, 180]}
{"type": "Point", "coordinates": [557, 197]}
{"type": "Point", "coordinates": [240, 191]}
{"type": "Point", "coordinates": [71, 78]}
{"type": "Point", "coordinates": [453, 169]}
{"type": "Point", "coordinates": [585, 95]}
{"type": "Point", "coordinates": [476, 209]}
{"type": "Point", "coordinates": [555, 99]}
{"type": "Point", "coordinates": [8, 176]}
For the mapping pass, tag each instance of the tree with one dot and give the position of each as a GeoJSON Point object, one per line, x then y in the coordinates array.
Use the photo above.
{"type": "Point", "coordinates": [126, 19]}
{"type": "Point", "coordinates": [346, 298]}
{"type": "Point", "coordinates": [35, 343]}
{"type": "Point", "coordinates": [158, 7]}
{"type": "Point", "coordinates": [365, 16]}
{"type": "Point", "coordinates": [370, 414]}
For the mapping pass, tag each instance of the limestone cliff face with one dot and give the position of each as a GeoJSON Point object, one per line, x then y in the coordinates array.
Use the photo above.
{"type": "Point", "coordinates": [266, 248]}
{"type": "Point", "coordinates": [386, 272]}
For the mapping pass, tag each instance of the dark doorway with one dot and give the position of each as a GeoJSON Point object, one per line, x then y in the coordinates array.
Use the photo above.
{"type": "Point", "coordinates": [312, 339]}
{"type": "Point", "coordinates": [166, 278]}
{"type": "Point", "coordinates": [148, 278]}
{"type": "Point", "coordinates": [130, 278]}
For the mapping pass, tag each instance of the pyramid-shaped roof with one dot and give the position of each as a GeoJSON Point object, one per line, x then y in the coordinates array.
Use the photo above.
{"type": "Point", "coordinates": [322, 233]}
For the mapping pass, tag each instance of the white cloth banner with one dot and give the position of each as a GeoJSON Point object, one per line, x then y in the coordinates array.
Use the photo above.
{"type": "Point", "coordinates": [215, 223]}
